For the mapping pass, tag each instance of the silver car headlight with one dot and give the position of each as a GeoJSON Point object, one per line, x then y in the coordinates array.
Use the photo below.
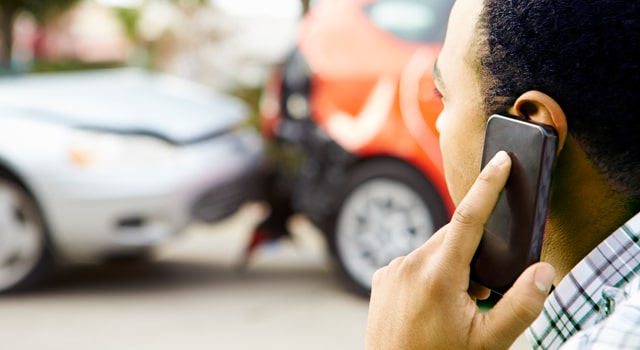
{"type": "Point", "coordinates": [94, 149]}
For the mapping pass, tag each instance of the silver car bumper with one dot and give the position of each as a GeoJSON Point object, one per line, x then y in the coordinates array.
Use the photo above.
{"type": "Point", "coordinates": [103, 213]}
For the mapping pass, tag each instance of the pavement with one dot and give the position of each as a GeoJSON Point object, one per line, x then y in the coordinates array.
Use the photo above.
{"type": "Point", "coordinates": [196, 294]}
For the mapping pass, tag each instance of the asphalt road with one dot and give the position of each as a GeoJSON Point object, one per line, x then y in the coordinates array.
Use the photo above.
{"type": "Point", "coordinates": [196, 295]}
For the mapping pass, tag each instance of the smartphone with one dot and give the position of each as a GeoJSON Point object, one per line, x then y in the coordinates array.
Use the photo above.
{"type": "Point", "coordinates": [513, 235]}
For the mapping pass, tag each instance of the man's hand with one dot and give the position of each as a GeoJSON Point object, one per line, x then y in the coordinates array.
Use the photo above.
{"type": "Point", "coordinates": [425, 300]}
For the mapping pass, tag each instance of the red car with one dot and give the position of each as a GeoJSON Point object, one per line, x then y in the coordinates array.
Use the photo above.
{"type": "Point", "coordinates": [356, 99]}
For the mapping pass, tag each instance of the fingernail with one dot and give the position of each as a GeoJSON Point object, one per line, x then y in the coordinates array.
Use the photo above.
{"type": "Point", "coordinates": [500, 158]}
{"type": "Point", "coordinates": [543, 277]}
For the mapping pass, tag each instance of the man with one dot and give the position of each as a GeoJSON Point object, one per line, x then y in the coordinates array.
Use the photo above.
{"type": "Point", "coordinates": [571, 64]}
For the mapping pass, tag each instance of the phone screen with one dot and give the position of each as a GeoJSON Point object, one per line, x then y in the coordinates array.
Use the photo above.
{"type": "Point", "coordinates": [513, 234]}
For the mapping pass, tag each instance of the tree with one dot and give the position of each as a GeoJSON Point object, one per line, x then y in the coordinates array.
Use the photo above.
{"type": "Point", "coordinates": [8, 10]}
{"type": "Point", "coordinates": [305, 6]}
{"type": "Point", "coordinates": [41, 10]}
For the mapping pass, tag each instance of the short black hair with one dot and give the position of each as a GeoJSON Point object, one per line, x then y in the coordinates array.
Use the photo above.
{"type": "Point", "coordinates": [583, 53]}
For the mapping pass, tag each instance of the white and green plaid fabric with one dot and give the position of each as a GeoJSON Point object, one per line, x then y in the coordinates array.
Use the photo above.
{"type": "Point", "coordinates": [598, 302]}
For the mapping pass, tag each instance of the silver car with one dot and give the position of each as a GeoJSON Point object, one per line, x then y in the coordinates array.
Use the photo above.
{"type": "Point", "coordinates": [111, 163]}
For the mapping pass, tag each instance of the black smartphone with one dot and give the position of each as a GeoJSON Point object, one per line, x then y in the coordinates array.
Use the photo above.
{"type": "Point", "coordinates": [513, 234]}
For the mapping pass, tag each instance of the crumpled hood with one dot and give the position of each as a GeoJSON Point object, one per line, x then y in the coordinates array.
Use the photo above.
{"type": "Point", "coordinates": [123, 100]}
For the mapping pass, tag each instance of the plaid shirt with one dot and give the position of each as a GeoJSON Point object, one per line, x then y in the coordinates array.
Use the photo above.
{"type": "Point", "coordinates": [598, 303]}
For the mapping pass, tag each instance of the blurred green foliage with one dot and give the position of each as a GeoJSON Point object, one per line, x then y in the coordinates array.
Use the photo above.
{"type": "Point", "coordinates": [129, 19]}
{"type": "Point", "coordinates": [288, 159]}
{"type": "Point", "coordinates": [69, 65]}
{"type": "Point", "coordinates": [251, 96]}
{"type": "Point", "coordinates": [40, 9]}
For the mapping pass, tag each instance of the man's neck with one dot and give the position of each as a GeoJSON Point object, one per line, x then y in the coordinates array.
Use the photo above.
{"type": "Point", "coordinates": [584, 211]}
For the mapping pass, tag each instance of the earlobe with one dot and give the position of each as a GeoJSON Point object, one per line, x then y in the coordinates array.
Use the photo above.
{"type": "Point", "coordinates": [542, 108]}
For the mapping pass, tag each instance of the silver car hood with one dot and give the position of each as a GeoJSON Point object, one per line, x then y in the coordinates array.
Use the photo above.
{"type": "Point", "coordinates": [123, 100]}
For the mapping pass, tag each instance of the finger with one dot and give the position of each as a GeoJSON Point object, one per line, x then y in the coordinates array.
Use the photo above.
{"type": "Point", "coordinates": [432, 244]}
{"type": "Point", "coordinates": [519, 307]}
{"type": "Point", "coordinates": [467, 224]}
{"type": "Point", "coordinates": [478, 291]}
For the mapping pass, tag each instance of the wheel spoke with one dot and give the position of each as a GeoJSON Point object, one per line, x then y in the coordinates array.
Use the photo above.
{"type": "Point", "coordinates": [8, 202]}
{"type": "Point", "coordinates": [27, 242]}
{"type": "Point", "coordinates": [380, 220]}
{"type": "Point", "coordinates": [8, 225]}
{"type": "Point", "coordinates": [21, 235]}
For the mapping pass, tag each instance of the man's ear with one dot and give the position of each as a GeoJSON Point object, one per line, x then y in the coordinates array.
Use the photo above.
{"type": "Point", "coordinates": [540, 107]}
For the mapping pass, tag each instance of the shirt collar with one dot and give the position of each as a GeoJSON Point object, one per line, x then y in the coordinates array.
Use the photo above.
{"type": "Point", "coordinates": [584, 296]}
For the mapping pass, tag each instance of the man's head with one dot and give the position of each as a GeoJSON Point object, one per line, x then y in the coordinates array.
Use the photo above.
{"type": "Point", "coordinates": [582, 55]}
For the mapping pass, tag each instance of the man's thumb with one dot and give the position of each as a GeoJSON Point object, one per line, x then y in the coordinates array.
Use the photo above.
{"type": "Point", "coordinates": [520, 306]}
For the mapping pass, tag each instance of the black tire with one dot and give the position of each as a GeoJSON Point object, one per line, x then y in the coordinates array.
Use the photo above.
{"type": "Point", "coordinates": [387, 209]}
{"type": "Point", "coordinates": [21, 219]}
